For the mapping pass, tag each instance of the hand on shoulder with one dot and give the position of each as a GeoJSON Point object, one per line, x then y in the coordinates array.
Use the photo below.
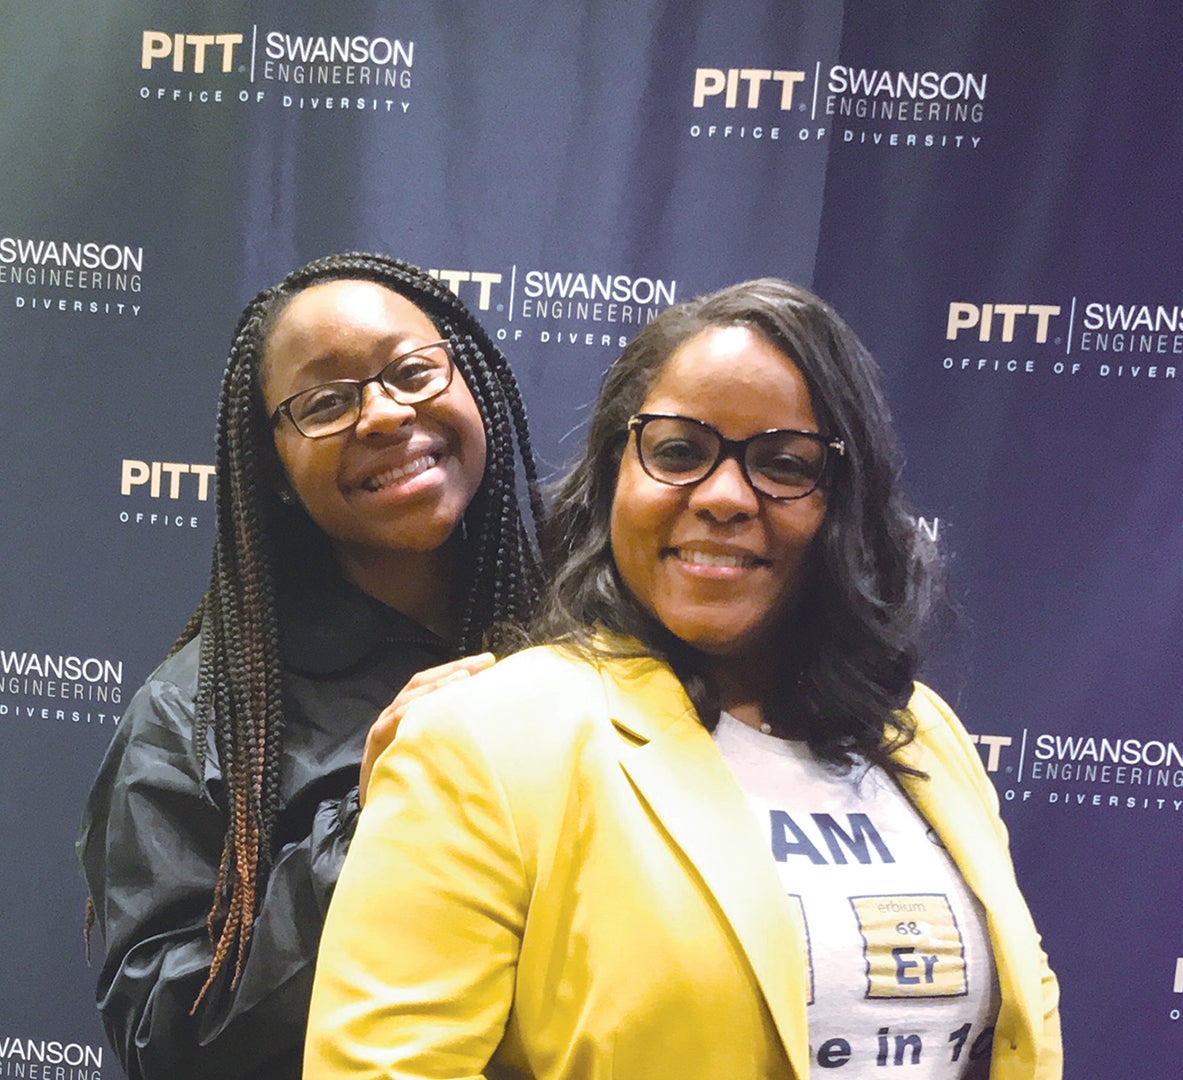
{"type": "Point", "coordinates": [385, 728]}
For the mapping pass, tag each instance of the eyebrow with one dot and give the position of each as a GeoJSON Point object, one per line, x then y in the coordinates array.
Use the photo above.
{"type": "Point", "coordinates": [392, 346]}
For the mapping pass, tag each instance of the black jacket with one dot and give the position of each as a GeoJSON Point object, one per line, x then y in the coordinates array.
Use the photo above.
{"type": "Point", "coordinates": [150, 844]}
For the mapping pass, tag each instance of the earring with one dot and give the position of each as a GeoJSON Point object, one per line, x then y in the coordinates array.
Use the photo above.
{"type": "Point", "coordinates": [286, 497]}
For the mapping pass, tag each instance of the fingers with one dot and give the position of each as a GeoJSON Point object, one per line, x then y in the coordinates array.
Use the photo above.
{"type": "Point", "coordinates": [432, 678]}
{"type": "Point", "coordinates": [385, 727]}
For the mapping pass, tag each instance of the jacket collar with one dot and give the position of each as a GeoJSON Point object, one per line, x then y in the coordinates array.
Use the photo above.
{"type": "Point", "coordinates": [671, 759]}
{"type": "Point", "coordinates": [963, 814]}
{"type": "Point", "coordinates": [329, 626]}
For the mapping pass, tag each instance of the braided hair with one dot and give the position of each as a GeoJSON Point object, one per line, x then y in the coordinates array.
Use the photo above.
{"type": "Point", "coordinates": [260, 540]}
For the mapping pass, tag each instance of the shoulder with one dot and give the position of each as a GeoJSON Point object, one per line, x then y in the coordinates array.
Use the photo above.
{"type": "Point", "coordinates": [521, 695]}
{"type": "Point", "coordinates": [152, 751]}
{"type": "Point", "coordinates": [553, 706]}
{"type": "Point", "coordinates": [169, 692]}
{"type": "Point", "coordinates": [514, 736]}
{"type": "Point", "coordinates": [557, 701]}
{"type": "Point", "coordinates": [180, 669]}
{"type": "Point", "coordinates": [550, 680]}
{"type": "Point", "coordinates": [157, 724]}
{"type": "Point", "coordinates": [940, 741]}
{"type": "Point", "coordinates": [541, 668]}
{"type": "Point", "coordinates": [928, 710]}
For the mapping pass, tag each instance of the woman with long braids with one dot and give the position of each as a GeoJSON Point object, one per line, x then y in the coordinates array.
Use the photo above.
{"type": "Point", "coordinates": [368, 528]}
{"type": "Point", "coordinates": [712, 827]}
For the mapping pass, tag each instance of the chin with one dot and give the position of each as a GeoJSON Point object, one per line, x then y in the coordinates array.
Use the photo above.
{"type": "Point", "coordinates": [425, 532]}
{"type": "Point", "coordinates": [715, 641]}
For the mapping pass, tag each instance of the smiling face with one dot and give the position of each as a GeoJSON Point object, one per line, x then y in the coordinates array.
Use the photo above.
{"type": "Point", "coordinates": [717, 564]}
{"type": "Point", "coordinates": [398, 481]}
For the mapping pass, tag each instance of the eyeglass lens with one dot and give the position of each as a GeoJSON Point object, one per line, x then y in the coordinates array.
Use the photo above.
{"type": "Point", "coordinates": [782, 464]}
{"type": "Point", "coordinates": [410, 379]}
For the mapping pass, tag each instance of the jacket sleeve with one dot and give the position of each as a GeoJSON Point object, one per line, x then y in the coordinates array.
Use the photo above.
{"type": "Point", "coordinates": [1051, 1056]}
{"type": "Point", "coordinates": [417, 965]}
{"type": "Point", "coordinates": [150, 846]}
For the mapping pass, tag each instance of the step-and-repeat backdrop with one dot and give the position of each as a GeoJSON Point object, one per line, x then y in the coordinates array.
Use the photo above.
{"type": "Point", "coordinates": [989, 191]}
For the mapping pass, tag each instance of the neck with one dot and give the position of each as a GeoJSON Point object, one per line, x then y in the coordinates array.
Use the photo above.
{"type": "Point", "coordinates": [751, 684]}
{"type": "Point", "coordinates": [417, 583]}
{"type": "Point", "coordinates": [743, 697]}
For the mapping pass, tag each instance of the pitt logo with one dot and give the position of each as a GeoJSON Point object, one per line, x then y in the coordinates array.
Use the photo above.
{"type": "Point", "coordinates": [484, 280]}
{"type": "Point", "coordinates": [137, 473]}
{"type": "Point", "coordinates": [158, 45]}
{"type": "Point", "coordinates": [988, 317]}
{"type": "Point", "coordinates": [710, 82]}
{"type": "Point", "coordinates": [994, 745]}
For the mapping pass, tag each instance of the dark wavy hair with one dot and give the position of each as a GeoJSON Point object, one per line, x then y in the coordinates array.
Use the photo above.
{"type": "Point", "coordinates": [871, 577]}
{"type": "Point", "coordinates": [263, 541]}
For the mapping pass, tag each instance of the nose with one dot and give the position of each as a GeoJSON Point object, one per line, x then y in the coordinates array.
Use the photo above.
{"type": "Point", "coordinates": [380, 413]}
{"type": "Point", "coordinates": [725, 496]}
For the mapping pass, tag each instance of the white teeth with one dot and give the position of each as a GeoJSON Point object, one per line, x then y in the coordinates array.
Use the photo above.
{"type": "Point", "coordinates": [703, 558]}
{"type": "Point", "coordinates": [393, 476]}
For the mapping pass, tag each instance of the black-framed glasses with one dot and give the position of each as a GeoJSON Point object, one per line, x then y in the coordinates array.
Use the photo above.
{"type": "Point", "coordinates": [781, 463]}
{"type": "Point", "coordinates": [411, 378]}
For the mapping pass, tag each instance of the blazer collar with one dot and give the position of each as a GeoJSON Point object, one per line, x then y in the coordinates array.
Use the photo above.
{"type": "Point", "coordinates": [674, 765]}
{"type": "Point", "coordinates": [951, 798]}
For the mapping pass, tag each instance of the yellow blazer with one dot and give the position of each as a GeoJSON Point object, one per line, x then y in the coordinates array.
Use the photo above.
{"type": "Point", "coordinates": [556, 875]}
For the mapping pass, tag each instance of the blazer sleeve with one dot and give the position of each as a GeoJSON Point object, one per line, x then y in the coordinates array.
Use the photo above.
{"type": "Point", "coordinates": [967, 760]}
{"type": "Point", "coordinates": [150, 847]}
{"type": "Point", "coordinates": [417, 965]}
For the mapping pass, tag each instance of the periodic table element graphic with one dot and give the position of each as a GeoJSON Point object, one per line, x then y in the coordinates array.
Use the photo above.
{"type": "Point", "coordinates": [912, 945]}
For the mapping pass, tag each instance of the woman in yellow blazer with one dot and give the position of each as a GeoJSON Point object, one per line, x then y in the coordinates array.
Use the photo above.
{"type": "Point", "coordinates": [716, 830]}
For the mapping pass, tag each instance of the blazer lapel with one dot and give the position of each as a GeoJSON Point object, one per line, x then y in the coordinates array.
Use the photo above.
{"type": "Point", "coordinates": [967, 827]}
{"type": "Point", "coordinates": [674, 765]}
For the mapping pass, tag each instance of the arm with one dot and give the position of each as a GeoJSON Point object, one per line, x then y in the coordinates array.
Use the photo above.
{"type": "Point", "coordinates": [150, 846]}
{"type": "Point", "coordinates": [417, 966]}
{"type": "Point", "coordinates": [964, 756]}
{"type": "Point", "coordinates": [1051, 1059]}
